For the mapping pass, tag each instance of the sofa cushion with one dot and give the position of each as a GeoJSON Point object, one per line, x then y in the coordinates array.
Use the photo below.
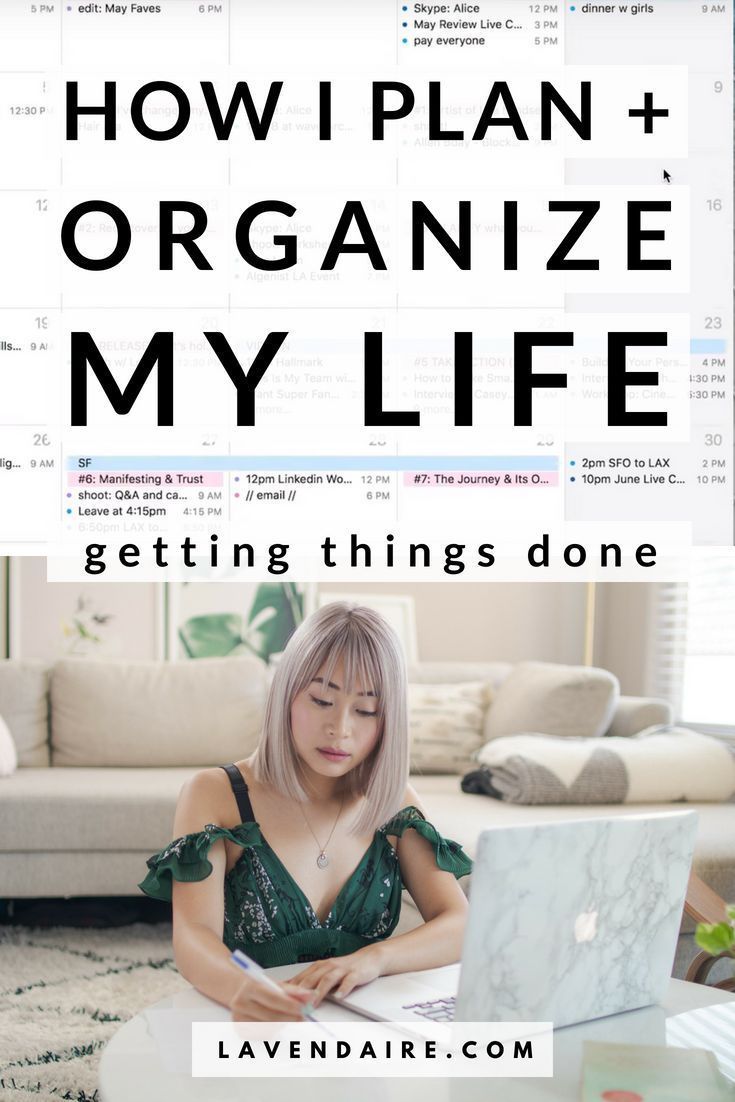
{"type": "Point", "coordinates": [446, 724]}
{"type": "Point", "coordinates": [202, 712]}
{"type": "Point", "coordinates": [553, 700]}
{"type": "Point", "coordinates": [24, 707]}
{"type": "Point", "coordinates": [79, 810]}
{"type": "Point", "coordinates": [71, 873]}
{"type": "Point", "coordinates": [634, 713]}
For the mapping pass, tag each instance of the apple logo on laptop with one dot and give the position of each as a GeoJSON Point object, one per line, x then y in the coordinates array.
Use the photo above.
{"type": "Point", "coordinates": [585, 926]}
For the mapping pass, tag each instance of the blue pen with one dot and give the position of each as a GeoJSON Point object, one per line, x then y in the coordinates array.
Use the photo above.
{"type": "Point", "coordinates": [253, 969]}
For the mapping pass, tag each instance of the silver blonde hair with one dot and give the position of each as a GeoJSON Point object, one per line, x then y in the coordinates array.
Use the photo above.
{"type": "Point", "coordinates": [373, 659]}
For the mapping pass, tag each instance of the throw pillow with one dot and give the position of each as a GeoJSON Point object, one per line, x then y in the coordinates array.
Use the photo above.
{"type": "Point", "coordinates": [445, 724]}
{"type": "Point", "coordinates": [578, 701]}
{"type": "Point", "coordinates": [8, 753]}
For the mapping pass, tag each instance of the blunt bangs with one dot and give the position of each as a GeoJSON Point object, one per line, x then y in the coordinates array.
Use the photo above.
{"type": "Point", "coordinates": [361, 663]}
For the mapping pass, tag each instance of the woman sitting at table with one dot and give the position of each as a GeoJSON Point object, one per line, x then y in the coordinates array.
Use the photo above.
{"type": "Point", "coordinates": [299, 853]}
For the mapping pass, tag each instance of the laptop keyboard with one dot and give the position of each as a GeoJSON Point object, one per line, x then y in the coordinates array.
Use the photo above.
{"type": "Point", "coordinates": [436, 1010]}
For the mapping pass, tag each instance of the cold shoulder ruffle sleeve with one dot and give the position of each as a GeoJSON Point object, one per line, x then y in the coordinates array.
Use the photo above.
{"type": "Point", "coordinates": [267, 914]}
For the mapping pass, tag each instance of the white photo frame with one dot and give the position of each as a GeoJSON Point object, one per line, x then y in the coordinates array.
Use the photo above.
{"type": "Point", "coordinates": [53, 620]}
{"type": "Point", "coordinates": [230, 602]}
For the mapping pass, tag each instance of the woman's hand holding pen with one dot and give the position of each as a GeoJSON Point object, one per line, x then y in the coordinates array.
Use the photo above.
{"type": "Point", "coordinates": [259, 998]}
{"type": "Point", "coordinates": [257, 1002]}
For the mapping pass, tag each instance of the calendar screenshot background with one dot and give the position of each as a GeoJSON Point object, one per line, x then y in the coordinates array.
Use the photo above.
{"type": "Point", "coordinates": [455, 464]}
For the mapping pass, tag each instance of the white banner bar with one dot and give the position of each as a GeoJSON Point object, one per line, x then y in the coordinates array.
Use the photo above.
{"type": "Point", "coordinates": [460, 1050]}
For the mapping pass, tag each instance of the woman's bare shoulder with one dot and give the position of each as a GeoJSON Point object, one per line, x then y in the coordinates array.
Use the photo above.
{"type": "Point", "coordinates": [204, 798]}
{"type": "Point", "coordinates": [411, 798]}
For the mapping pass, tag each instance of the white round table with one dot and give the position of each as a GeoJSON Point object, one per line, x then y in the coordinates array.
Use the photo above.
{"type": "Point", "coordinates": [148, 1059]}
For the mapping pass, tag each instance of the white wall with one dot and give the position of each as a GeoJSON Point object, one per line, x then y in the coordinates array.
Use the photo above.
{"type": "Point", "coordinates": [621, 636]}
{"type": "Point", "coordinates": [468, 621]}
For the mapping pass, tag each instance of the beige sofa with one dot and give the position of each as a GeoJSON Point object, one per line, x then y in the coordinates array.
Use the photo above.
{"type": "Point", "coordinates": [104, 748]}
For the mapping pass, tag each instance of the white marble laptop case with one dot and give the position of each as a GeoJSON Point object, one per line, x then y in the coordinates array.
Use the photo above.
{"type": "Point", "coordinates": [572, 921]}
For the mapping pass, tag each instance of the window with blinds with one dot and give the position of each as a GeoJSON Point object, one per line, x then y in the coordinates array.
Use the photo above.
{"type": "Point", "coordinates": [693, 643]}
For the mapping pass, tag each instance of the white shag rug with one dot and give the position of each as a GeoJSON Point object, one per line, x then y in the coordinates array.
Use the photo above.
{"type": "Point", "coordinates": [63, 993]}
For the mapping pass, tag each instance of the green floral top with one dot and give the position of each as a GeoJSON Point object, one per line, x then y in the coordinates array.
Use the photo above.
{"type": "Point", "coordinates": [266, 913]}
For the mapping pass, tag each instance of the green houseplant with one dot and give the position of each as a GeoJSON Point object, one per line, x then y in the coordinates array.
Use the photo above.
{"type": "Point", "coordinates": [718, 939]}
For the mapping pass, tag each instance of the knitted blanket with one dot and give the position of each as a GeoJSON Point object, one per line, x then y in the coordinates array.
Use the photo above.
{"type": "Point", "coordinates": [658, 764]}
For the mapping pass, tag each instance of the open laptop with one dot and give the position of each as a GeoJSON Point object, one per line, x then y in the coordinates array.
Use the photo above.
{"type": "Point", "coordinates": [567, 922]}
